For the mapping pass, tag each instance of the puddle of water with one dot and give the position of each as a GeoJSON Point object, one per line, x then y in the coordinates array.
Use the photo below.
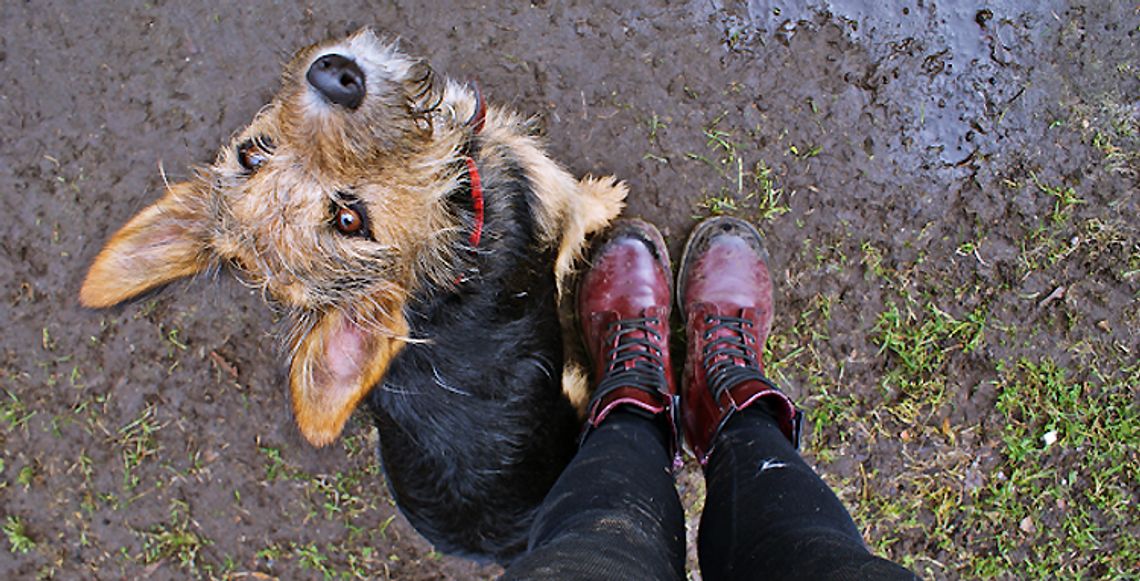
{"type": "Point", "coordinates": [948, 56]}
{"type": "Point", "coordinates": [966, 30]}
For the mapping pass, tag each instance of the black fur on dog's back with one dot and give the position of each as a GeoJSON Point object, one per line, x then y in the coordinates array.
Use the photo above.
{"type": "Point", "coordinates": [474, 428]}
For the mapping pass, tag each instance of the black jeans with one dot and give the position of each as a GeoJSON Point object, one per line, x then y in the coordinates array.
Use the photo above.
{"type": "Point", "coordinates": [614, 513]}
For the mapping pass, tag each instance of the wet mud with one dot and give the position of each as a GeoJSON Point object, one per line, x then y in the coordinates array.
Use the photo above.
{"type": "Point", "coordinates": [978, 157]}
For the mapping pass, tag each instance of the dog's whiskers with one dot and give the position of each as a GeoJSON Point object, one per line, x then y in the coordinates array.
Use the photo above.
{"type": "Point", "coordinates": [440, 382]}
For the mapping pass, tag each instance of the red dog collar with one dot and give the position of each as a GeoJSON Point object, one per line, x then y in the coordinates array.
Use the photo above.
{"type": "Point", "coordinates": [476, 122]}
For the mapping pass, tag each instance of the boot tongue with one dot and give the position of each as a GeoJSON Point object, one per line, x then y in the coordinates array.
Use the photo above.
{"type": "Point", "coordinates": [637, 338]}
{"type": "Point", "coordinates": [732, 349]}
{"type": "Point", "coordinates": [634, 369]}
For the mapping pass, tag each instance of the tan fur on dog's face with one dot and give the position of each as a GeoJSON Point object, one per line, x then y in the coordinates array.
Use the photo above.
{"type": "Point", "coordinates": [275, 222]}
{"type": "Point", "coordinates": [267, 207]}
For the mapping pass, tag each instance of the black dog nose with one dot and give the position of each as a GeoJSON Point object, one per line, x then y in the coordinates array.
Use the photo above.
{"type": "Point", "coordinates": [339, 79]}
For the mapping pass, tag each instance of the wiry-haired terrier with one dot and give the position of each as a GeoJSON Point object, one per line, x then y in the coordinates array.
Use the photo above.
{"type": "Point", "coordinates": [420, 242]}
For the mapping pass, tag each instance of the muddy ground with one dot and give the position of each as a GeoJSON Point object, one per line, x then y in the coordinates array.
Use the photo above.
{"type": "Point", "coordinates": [949, 192]}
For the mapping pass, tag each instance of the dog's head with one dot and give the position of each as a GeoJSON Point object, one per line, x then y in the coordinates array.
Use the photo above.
{"type": "Point", "coordinates": [331, 202]}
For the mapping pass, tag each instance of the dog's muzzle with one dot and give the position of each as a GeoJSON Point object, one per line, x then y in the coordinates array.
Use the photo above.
{"type": "Point", "coordinates": [338, 79]}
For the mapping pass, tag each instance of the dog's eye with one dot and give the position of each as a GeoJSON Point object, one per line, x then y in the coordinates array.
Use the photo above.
{"type": "Point", "coordinates": [351, 220]}
{"type": "Point", "coordinates": [253, 153]}
{"type": "Point", "coordinates": [348, 221]}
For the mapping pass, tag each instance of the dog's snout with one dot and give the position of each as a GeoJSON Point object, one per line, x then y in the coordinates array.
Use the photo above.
{"type": "Point", "coordinates": [338, 79]}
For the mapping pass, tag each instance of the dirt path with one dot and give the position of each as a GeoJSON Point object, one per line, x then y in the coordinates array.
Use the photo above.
{"type": "Point", "coordinates": [949, 195]}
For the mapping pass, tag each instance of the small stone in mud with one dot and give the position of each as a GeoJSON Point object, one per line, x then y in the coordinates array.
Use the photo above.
{"type": "Point", "coordinates": [1027, 525]}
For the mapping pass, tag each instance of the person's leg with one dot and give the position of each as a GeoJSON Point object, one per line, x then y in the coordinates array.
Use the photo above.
{"type": "Point", "coordinates": [614, 514]}
{"type": "Point", "coordinates": [767, 514]}
{"type": "Point", "coordinates": [768, 511]}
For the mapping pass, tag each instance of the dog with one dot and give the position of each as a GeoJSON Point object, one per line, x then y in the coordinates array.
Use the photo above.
{"type": "Point", "coordinates": [422, 244]}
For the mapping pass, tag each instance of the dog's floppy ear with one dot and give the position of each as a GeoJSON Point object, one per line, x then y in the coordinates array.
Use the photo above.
{"type": "Point", "coordinates": [162, 243]}
{"type": "Point", "coordinates": [335, 365]}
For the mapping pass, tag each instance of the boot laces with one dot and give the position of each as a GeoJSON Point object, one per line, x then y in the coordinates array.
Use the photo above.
{"type": "Point", "coordinates": [635, 358]}
{"type": "Point", "coordinates": [730, 358]}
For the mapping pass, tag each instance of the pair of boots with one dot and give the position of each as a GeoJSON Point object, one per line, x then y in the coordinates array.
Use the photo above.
{"type": "Point", "coordinates": [724, 293]}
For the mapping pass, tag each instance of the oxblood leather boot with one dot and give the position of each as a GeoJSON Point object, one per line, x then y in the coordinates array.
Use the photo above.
{"type": "Point", "coordinates": [725, 295]}
{"type": "Point", "coordinates": [624, 301]}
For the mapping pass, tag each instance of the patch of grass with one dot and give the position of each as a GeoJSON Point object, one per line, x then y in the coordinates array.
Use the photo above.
{"type": "Point", "coordinates": [917, 342]}
{"type": "Point", "coordinates": [138, 442]}
{"type": "Point", "coordinates": [1109, 241]}
{"type": "Point", "coordinates": [1046, 523]}
{"type": "Point", "coordinates": [277, 467]}
{"type": "Point", "coordinates": [830, 254]}
{"type": "Point", "coordinates": [360, 562]}
{"type": "Point", "coordinates": [1043, 248]}
{"type": "Point", "coordinates": [340, 494]}
{"type": "Point", "coordinates": [721, 141]}
{"type": "Point", "coordinates": [175, 341]}
{"type": "Point", "coordinates": [1056, 499]}
{"type": "Point", "coordinates": [26, 475]}
{"type": "Point", "coordinates": [749, 190]}
{"type": "Point", "coordinates": [310, 557]}
{"type": "Point", "coordinates": [873, 261]}
{"type": "Point", "coordinates": [769, 198]}
{"type": "Point", "coordinates": [14, 412]}
{"type": "Point", "coordinates": [794, 349]}
{"type": "Point", "coordinates": [797, 356]}
{"type": "Point", "coordinates": [655, 125]}
{"type": "Point", "coordinates": [18, 539]}
{"type": "Point", "coordinates": [828, 407]}
{"type": "Point", "coordinates": [719, 205]}
{"type": "Point", "coordinates": [1117, 157]}
{"type": "Point", "coordinates": [272, 553]}
{"type": "Point", "coordinates": [806, 152]}
{"type": "Point", "coordinates": [971, 248]}
{"type": "Point", "coordinates": [1132, 267]}
{"type": "Point", "coordinates": [1114, 128]}
{"type": "Point", "coordinates": [1064, 199]}
{"type": "Point", "coordinates": [175, 539]}
{"type": "Point", "coordinates": [1053, 239]}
